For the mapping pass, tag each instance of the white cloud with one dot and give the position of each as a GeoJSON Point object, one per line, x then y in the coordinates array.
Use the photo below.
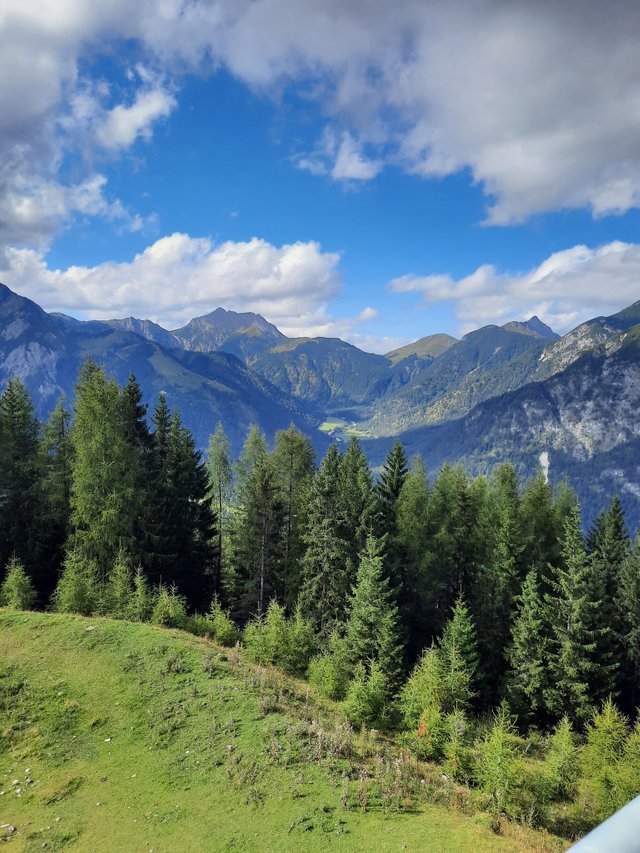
{"type": "Point", "coordinates": [123, 125]}
{"type": "Point", "coordinates": [180, 276]}
{"type": "Point", "coordinates": [538, 100]}
{"type": "Point", "coordinates": [566, 289]}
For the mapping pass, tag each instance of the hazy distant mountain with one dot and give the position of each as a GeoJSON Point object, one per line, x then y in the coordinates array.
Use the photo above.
{"type": "Point", "coordinates": [426, 348]}
{"type": "Point", "coordinates": [148, 330]}
{"type": "Point", "coordinates": [245, 335]}
{"type": "Point", "coordinates": [516, 392]}
{"type": "Point", "coordinates": [46, 351]}
{"type": "Point", "coordinates": [533, 326]}
{"type": "Point", "coordinates": [584, 419]}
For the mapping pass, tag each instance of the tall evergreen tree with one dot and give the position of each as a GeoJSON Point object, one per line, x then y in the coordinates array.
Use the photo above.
{"type": "Point", "coordinates": [20, 510]}
{"type": "Point", "coordinates": [372, 631]}
{"type": "Point", "coordinates": [541, 529]}
{"type": "Point", "coordinates": [325, 589]}
{"type": "Point", "coordinates": [293, 463]}
{"type": "Point", "coordinates": [105, 503]}
{"type": "Point", "coordinates": [628, 604]}
{"type": "Point", "coordinates": [220, 478]}
{"type": "Point", "coordinates": [458, 651]}
{"type": "Point", "coordinates": [57, 453]}
{"type": "Point", "coordinates": [258, 529]}
{"type": "Point", "coordinates": [527, 678]}
{"type": "Point", "coordinates": [573, 608]}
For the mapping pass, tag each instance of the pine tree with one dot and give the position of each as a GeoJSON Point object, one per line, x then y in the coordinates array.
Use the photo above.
{"type": "Point", "coordinates": [372, 632]}
{"type": "Point", "coordinates": [325, 590]}
{"type": "Point", "coordinates": [220, 478]}
{"type": "Point", "coordinates": [541, 530]}
{"type": "Point", "coordinates": [415, 599]}
{"type": "Point", "coordinates": [258, 529]}
{"type": "Point", "coordinates": [458, 650]}
{"type": "Point", "coordinates": [392, 478]}
{"type": "Point", "coordinates": [142, 598]}
{"type": "Point", "coordinates": [20, 511]}
{"type": "Point", "coordinates": [17, 591]}
{"type": "Point", "coordinates": [57, 465]}
{"type": "Point", "coordinates": [527, 678]}
{"type": "Point", "coordinates": [104, 502]}
{"type": "Point", "coordinates": [628, 604]}
{"type": "Point", "coordinates": [293, 464]}
{"type": "Point", "coordinates": [118, 592]}
{"type": "Point", "coordinates": [495, 769]}
{"type": "Point", "coordinates": [78, 590]}
{"type": "Point", "coordinates": [571, 644]}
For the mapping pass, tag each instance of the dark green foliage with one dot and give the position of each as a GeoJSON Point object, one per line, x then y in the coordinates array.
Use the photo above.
{"type": "Point", "coordinates": [17, 590]}
{"type": "Point", "coordinates": [367, 696]}
{"type": "Point", "coordinates": [20, 510]}
{"type": "Point", "coordinates": [293, 463]}
{"type": "Point", "coordinates": [169, 609]}
{"type": "Point", "coordinates": [78, 590]}
{"type": "Point", "coordinates": [628, 604]}
{"type": "Point", "coordinates": [326, 576]}
{"type": "Point", "coordinates": [372, 631]}
{"type": "Point", "coordinates": [258, 533]}
{"type": "Point", "coordinates": [458, 652]}
{"type": "Point", "coordinates": [220, 479]}
{"type": "Point", "coordinates": [527, 678]}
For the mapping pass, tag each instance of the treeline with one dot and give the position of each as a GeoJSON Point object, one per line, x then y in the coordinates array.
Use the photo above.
{"type": "Point", "coordinates": [421, 605]}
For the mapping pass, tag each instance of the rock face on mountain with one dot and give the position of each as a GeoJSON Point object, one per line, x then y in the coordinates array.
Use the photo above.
{"type": "Point", "coordinates": [245, 335]}
{"type": "Point", "coordinates": [534, 326]}
{"type": "Point", "coordinates": [46, 352]}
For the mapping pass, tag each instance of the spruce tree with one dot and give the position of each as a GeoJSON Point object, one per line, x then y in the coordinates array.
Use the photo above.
{"type": "Point", "coordinates": [571, 644]}
{"type": "Point", "coordinates": [527, 678]}
{"type": "Point", "coordinates": [293, 463]}
{"type": "Point", "coordinates": [258, 548]}
{"type": "Point", "coordinates": [220, 478]}
{"type": "Point", "coordinates": [541, 530]}
{"type": "Point", "coordinates": [17, 591]}
{"type": "Point", "coordinates": [79, 587]}
{"type": "Point", "coordinates": [20, 510]}
{"type": "Point", "coordinates": [105, 504]}
{"type": "Point", "coordinates": [458, 651]}
{"type": "Point", "coordinates": [118, 592]}
{"type": "Point", "coordinates": [57, 466]}
{"type": "Point", "coordinates": [628, 604]}
{"type": "Point", "coordinates": [413, 535]}
{"type": "Point", "coordinates": [325, 589]}
{"type": "Point", "coordinates": [372, 631]}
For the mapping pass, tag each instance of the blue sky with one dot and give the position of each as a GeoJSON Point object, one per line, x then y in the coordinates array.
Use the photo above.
{"type": "Point", "coordinates": [343, 171]}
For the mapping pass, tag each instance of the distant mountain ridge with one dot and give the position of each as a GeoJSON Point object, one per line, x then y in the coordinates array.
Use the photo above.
{"type": "Point", "coordinates": [511, 392]}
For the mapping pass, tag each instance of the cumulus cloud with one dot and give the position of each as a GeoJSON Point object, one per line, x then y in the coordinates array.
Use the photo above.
{"type": "Point", "coordinates": [179, 276]}
{"type": "Point", "coordinates": [566, 289]}
{"type": "Point", "coordinates": [539, 101]}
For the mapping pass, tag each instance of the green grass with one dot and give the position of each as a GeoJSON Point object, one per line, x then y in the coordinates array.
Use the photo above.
{"type": "Point", "coordinates": [124, 737]}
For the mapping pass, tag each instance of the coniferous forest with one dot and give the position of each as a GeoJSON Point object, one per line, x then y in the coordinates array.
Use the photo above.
{"type": "Point", "coordinates": [474, 619]}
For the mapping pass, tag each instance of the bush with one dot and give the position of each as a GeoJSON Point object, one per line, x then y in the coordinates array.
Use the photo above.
{"type": "Point", "coordinates": [224, 630]}
{"type": "Point", "coordinates": [169, 609]}
{"type": "Point", "coordinates": [423, 689]}
{"type": "Point", "coordinates": [562, 765]}
{"type": "Point", "coordinates": [254, 640]}
{"type": "Point", "coordinates": [329, 673]}
{"type": "Point", "coordinates": [495, 767]}
{"type": "Point", "coordinates": [117, 594]}
{"type": "Point", "coordinates": [142, 598]}
{"type": "Point", "coordinates": [601, 758]}
{"type": "Point", "coordinates": [78, 590]}
{"type": "Point", "coordinates": [455, 749]}
{"type": "Point", "coordinates": [17, 590]}
{"type": "Point", "coordinates": [300, 644]}
{"type": "Point", "coordinates": [365, 701]}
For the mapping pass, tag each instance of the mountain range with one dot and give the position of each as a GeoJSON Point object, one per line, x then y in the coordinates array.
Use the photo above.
{"type": "Point", "coordinates": [516, 392]}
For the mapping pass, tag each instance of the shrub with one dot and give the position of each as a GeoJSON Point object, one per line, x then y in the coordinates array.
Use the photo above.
{"type": "Point", "coordinates": [455, 749]}
{"type": "Point", "coordinates": [117, 594]}
{"type": "Point", "coordinates": [495, 767]}
{"type": "Point", "coordinates": [329, 673]}
{"type": "Point", "coordinates": [78, 590]}
{"type": "Point", "coordinates": [254, 640]}
{"type": "Point", "coordinates": [142, 598]}
{"type": "Point", "coordinates": [17, 590]}
{"type": "Point", "coordinates": [169, 609]}
{"type": "Point", "coordinates": [300, 644]}
{"type": "Point", "coordinates": [423, 689]}
{"type": "Point", "coordinates": [606, 741]}
{"type": "Point", "coordinates": [365, 701]}
{"type": "Point", "coordinates": [562, 765]}
{"type": "Point", "coordinates": [223, 628]}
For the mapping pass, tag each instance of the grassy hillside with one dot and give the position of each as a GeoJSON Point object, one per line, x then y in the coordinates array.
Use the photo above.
{"type": "Point", "coordinates": [117, 736]}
